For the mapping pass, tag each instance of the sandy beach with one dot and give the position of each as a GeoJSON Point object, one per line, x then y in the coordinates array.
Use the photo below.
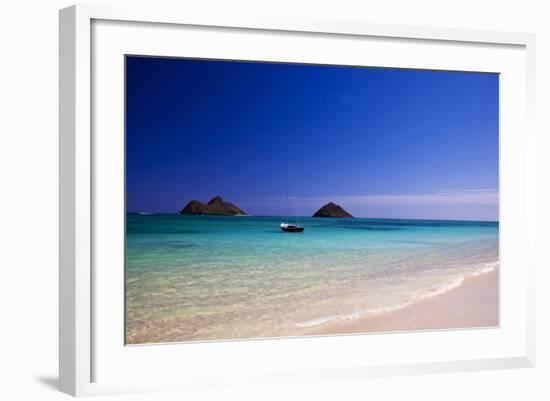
{"type": "Point", "coordinates": [473, 304]}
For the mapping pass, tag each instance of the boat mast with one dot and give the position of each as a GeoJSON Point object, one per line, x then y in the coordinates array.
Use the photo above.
{"type": "Point", "coordinates": [290, 206]}
{"type": "Point", "coordinates": [291, 224]}
{"type": "Point", "coordinates": [288, 194]}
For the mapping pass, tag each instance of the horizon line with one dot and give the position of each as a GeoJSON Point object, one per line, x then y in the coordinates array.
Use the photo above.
{"type": "Point", "coordinates": [144, 213]}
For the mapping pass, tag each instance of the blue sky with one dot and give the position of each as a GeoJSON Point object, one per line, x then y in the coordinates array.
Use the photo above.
{"type": "Point", "coordinates": [380, 142]}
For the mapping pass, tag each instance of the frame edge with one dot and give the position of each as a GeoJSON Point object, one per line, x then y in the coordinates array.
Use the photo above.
{"type": "Point", "coordinates": [530, 48]}
{"type": "Point", "coordinates": [67, 112]}
{"type": "Point", "coordinates": [74, 201]}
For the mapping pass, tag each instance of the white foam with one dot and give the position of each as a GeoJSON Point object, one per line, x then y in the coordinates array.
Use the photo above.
{"type": "Point", "coordinates": [443, 288]}
{"type": "Point", "coordinates": [326, 319]}
{"type": "Point", "coordinates": [385, 309]}
{"type": "Point", "coordinates": [487, 268]}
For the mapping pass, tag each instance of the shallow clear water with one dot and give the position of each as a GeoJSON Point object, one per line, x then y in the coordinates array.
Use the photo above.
{"type": "Point", "coordinates": [213, 277]}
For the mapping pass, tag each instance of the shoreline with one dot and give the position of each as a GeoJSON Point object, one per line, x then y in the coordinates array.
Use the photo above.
{"type": "Point", "coordinates": [472, 304]}
{"type": "Point", "coordinates": [475, 303]}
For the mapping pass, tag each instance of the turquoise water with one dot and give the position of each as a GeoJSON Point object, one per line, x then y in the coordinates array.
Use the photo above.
{"type": "Point", "coordinates": [212, 277]}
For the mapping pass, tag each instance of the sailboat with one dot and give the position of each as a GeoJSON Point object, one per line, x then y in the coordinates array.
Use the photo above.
{"type": "Point", "coordinates": [291, 224]}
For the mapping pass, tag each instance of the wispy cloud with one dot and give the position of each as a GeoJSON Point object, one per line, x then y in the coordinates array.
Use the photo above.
{"type": "Point", "coordinates": [443, 197]}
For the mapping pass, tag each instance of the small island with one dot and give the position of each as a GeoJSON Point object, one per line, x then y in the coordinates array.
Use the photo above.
{"type": "Point", "coordinates": [332, 210]}
{"type": "Point", "coordinates": [217, 206]}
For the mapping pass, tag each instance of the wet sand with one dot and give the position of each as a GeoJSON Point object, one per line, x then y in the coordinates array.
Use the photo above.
{"type": "Point", "coordinates": [473, 304]}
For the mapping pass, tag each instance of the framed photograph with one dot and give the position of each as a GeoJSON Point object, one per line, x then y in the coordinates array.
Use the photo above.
{"type": "Point", "coordinates": [270, 200]}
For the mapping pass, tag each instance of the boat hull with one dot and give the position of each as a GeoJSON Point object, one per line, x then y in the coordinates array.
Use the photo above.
{"type": "Point", "coordinates": [292, 229]}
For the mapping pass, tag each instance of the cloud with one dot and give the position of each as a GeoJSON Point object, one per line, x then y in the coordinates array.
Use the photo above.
{"type": "Point", "coordinates": [443, 197]}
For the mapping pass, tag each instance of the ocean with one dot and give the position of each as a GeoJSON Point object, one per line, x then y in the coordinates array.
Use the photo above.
{"type": "Point", "coordinates": [197, 278]}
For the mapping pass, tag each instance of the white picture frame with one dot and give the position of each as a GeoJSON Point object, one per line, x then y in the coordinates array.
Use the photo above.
{"type": "Point", "coordinates": [79, 344]}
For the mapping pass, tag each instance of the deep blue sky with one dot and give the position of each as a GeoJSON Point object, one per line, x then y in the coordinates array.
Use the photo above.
{"type": "Point", "coordinates": [381, 142]}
